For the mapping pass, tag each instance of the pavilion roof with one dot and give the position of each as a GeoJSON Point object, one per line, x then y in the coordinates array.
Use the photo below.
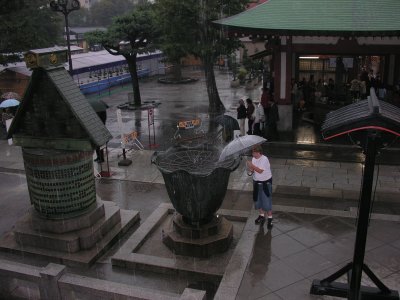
{"type": "Point", "coordinates": [319, 17]}
{"type": "Point", "coordinates": [53, 99]}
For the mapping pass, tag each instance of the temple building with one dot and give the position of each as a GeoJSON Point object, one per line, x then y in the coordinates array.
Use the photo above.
{"type": "Point", "coordinates": [331, 43]}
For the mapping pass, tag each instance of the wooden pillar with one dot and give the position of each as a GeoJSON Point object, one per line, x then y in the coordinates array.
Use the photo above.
{"type": "Point", "coordinates": [289, 70]}
{"type": "Point", "coordinates": [283, 73]}
{"type": "Point", "coordinates": [396, 73]}
{"type": "Point", "coordinates": [277, 73]}
{"type": "Point", "coordinates": [390, 63]}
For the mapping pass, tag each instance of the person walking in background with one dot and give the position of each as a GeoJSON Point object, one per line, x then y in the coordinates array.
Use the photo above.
{"type": "Point", "coordinates": [259, 119]}
{"type": "Point", "coordinates": [241, 116]}
{"type": "Point", "coordinates": [6, 115]}
{"type": "Point", "coordinates": [355, 86]}
{"type": "Point", "coordinates": [272, 120]}
{"type": "Point", "coordinates": [102, 114]}
{"type": "Point", "coordinates": [260, 168]}
{"type": "Point", "coordinates": [319, 88]}
{"type": "Point", "coordinates": [250, 114]}
{"type": "Point", "coordinates": [293, 94]}
{"type": "Point", "coordinates": [265, 100]}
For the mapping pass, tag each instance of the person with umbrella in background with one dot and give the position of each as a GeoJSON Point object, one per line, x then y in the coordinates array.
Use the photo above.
{"type": "Point", "coordinates": [258, 124]}
{"type": "Point", "coordinates": [260, 169]}
{"type": "Point", "coordinates": [6, 115]}
{"type": "Point", "coordinates": [272, 120]}
{"type": "Point", "coordinates": [8, 108]}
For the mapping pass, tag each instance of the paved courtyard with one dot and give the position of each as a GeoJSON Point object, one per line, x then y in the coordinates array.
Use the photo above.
{"type": "Point", "coordinates": [315, 209]}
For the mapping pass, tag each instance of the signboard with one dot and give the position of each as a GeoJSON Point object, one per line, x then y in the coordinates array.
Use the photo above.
{"type": "Point", "coordinates": [129, 137]}
{"type": "Point", "coordinates": [189, 124]}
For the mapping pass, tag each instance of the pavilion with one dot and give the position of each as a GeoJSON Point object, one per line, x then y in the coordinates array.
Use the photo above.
{"type": "Point", "coordinates": [305, 37]}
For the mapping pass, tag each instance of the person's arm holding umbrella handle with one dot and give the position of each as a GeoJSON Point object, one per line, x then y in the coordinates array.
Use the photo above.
{"type": "Point", "coordinates": [253, 168]}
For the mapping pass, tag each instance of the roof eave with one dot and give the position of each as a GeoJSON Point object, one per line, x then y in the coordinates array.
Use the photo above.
{"type": "Point", "coordinates": [243, 31]}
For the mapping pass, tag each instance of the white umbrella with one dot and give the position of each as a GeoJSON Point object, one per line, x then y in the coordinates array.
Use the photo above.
{"type": "Point", "coordinates": [240, 145]}
{"type": "Point", "coordinates": [9, 103]}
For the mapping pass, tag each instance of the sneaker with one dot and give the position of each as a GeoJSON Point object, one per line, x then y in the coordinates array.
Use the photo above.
{"type": "Point", "coordinates": [260, 220]}
{"type": "Point", "coordinates": [270, 225]}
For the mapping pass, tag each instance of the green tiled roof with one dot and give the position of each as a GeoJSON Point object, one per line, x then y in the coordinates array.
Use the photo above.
{"type": "Point", "coordinates": [356, 17]}
{"type": "Point", "coordinates": [55, 114]}
{"type": "Point", "coordinates": [80, 106]}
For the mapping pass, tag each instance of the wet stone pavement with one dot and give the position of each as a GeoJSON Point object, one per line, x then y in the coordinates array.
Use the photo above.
{"type": "Point", "coordinates": [316, 193]}
{"type": "Point", "coordinates": [300, 247]}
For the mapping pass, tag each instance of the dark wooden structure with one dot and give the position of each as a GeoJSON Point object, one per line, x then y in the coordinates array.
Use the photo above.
{"type": "Point", "coordinates": [372, 123]}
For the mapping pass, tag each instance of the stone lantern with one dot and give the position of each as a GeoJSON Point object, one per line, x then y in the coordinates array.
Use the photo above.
{"type": "Point", "coordinates": [58, 131]}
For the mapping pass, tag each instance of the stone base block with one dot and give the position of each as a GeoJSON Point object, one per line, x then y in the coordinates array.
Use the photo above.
{"type": "Point", "coordinates": [201, 247]}
{"type": "Point", "coordinates": [117, 222]}
{"type": "Point", "coordinates": [196, 232]}
{"type": "Point", "coordinates": [62, 226]}
{"type": "Point", "coordinates": [70, 242]}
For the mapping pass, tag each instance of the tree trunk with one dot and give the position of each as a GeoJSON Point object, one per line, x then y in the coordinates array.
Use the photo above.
{"type": "Point", "coordinates": [135, 80]}
{"type": "Point", "coordinates": [177, 72]}
{"type": "Point", "coordinates": [215, 104]}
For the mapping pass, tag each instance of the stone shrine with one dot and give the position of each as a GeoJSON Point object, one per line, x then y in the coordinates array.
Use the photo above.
{"type": "Point", "coordinates": [58, 131]}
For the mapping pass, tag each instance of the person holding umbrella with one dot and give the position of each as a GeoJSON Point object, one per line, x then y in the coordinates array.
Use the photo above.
{"type": "Point", "coordinates": [260, 169]}
{"type": "Point", "coordinates": [8, 107]}
{"type": "Point", "coordinates": [6, 115]}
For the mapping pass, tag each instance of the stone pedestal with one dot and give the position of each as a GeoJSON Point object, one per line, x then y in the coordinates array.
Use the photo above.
{"type": "Point", "coordinates": [74, 241]}
{"type": "Point", "coordinates": [199, 241]}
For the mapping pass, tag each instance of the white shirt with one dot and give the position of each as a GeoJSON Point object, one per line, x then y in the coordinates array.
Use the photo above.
{"type": "Point", "coordinates": [259, 114]}
{"type": "Point", "coordinates": [263, 164]}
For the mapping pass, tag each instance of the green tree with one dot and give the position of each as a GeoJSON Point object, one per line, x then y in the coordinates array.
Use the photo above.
{"type": "Point", "coordinates": [26, 25]}
{"type": "Point", "coordinates": [129, 35]}
{"type": "Point", "coordinates": [175, 36]}
{"type": "Point", "coordinates": [102, 12]}
{"type": "Point", "coordinates": [193, 19]}
{"type": "Point", "coordinates": [80, 17]}
{"type": "Point", "coordinates": [213, 42]}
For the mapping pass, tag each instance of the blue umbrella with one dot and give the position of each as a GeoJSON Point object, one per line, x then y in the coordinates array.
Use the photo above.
{"type": "Point", "coordinates": [9, 103]}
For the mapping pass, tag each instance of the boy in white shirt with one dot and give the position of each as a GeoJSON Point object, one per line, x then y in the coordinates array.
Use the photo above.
{"type": "Point", "coordinates": [262, 185]}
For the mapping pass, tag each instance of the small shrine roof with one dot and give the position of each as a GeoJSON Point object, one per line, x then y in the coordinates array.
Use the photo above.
{"type": "Point", "coordinates": [47, 50]}
{"type": "Point", "coordinates": [322, 17]}
{"type": "Point", "coordinates": [63, 93]}
{"type": "Point", "coordinates": [80, 106]}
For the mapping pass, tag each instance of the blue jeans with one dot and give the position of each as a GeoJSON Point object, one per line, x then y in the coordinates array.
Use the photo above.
{"type": "Point", "coordinates": [262, 200]}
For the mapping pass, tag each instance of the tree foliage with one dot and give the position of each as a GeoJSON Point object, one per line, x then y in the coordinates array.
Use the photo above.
{"type": "Point", "coordinates": [102, 12]}
{"type": "Point", "coordinates": [26, 25]}
{"type": "Point", "coordinates": [176, 37]}
{"type": "Point", "coordinates": [80, 17]}
{"type": "Point", "coordinates": [129, 35]}
{"type": "Point", "coordinates": [198, 36]}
